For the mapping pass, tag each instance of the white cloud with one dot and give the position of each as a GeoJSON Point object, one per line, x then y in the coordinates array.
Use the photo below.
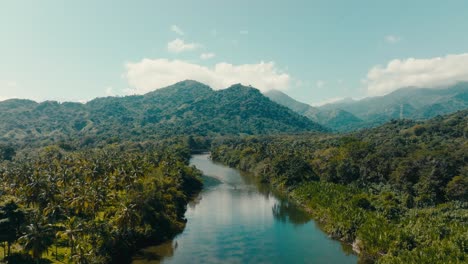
{"type": "Point", "coordinates": [244, 32]}
{"type": "Point", "coordinates": [177, 30]}
{"type": "Point", "coordinates": [328, 101]}
{"type": "Point", "coordinates": [178, 45]}
{"type": "Point", "coordinates": [110, 91]}
{"type": "Point", "coordinates": [150, 74]}
{"type": "Point", "coordinates": [320, 84]}
{"type": "Point", "coordinates": [206, 56]}
{"type": "Point", "coordinates": [3, 98]}
{"type": "Point", "coordinates": [424, 73]}
{"type": "Point", "coordinates": [392, 39]}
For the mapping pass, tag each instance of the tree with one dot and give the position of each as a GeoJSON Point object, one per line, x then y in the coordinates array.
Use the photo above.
{"type": "Point", "coordinates": [7, 152]}
{"type": "Point", "coordinates": [11, 219]}
{"type": "Point", "coordinates": [37, 238]}
{"type": "Point", "coordinates": [70, 230]}
{"type": "Point", "coordinates": [457, 188]}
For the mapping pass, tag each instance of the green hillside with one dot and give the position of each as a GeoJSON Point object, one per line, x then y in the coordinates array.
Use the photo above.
{"type": "Point", "coordinates": [185, 108]}
{"type": "Point", "coordinates": [335, 119]}
{"type": "Point", "coordinates": [408, 103]}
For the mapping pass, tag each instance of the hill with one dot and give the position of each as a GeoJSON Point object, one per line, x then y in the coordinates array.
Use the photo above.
{"type": "Point", "coordinates": [408, 103]}
{"type": "Point", "coordinates": [185, 108]}
{"type": "Point", "coordinates": [335, 119]}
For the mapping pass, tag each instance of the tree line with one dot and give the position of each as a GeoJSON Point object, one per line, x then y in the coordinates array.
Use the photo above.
{"type": "Point", "coordinates": [398, 193]}
{"type": "Point", "coordinates": [95, 205]}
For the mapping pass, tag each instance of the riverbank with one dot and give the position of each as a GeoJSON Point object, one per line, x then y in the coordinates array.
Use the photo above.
{"type": "Point", "coordinates": [93, 205]}
{"type": "Point", "coordinates": [375, 221]}
{"type": "Point", "coordinates": [317, 212]}
{"type": "Point", "coordinates": [238, 220]}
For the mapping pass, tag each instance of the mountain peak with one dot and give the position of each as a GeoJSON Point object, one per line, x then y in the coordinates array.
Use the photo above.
{"type": "Point", "coordinates": [184, 88]}
{"type": "Point", "coordinates": [241, 89]}
{"type": "Point", "coordinates": [189, 82]}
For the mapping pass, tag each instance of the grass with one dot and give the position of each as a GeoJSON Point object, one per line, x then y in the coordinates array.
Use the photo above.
{"type": "Point", "coordinates": [54, 255]}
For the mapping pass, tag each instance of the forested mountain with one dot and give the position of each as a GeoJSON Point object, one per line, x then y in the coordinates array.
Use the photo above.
{"type": "Point", "coordinates": [185, 108]}
{"type": "Point", "coordinates": [97, 181]}
{"type": "Point", "coordinates": [408, 103]}
{"type": "Point", "coordinates": [335, 119]}
{"type": "Point", "coordinates": [398, 192]}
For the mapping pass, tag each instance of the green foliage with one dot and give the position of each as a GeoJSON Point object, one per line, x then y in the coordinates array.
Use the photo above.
{"type": "Point", "coordinates": [25, 259]}
{"type": "Point", "coordinates": [7, 152]}
{"type": "Point", "coordinates": [12, 217]}
{"type": "Point", "coordinates": [101, 179]}
{"type": "Point", "coordinates": [397, 192]}
{"type": "Point", "coordinates": [289, 171]}
{"type": "Point", "coordinates": [336, 119]}
{"type": "Point", "coordinates": [457, 188]}
{"type": "Point", "coordinates": [102, 203]}
{"type": "Point", "coordinates": [38, 238]}
{"type": "Point", "coordinates": [185, 108]}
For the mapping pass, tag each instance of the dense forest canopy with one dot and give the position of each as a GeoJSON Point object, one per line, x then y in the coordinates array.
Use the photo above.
{"type": "Point", "coordinates": [185, 108]}
{"type": "Point", "coordinates": [94, 205]}
{"type": "Point", "coordinates": [399, 191]}
{"type": "Point", "coordinates": [92, 183]}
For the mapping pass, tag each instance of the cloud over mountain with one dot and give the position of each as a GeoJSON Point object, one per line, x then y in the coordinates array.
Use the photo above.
{"type": "Point", "coordinates": [150, 74]}
{"type": "Point", "coordinates": [423, 73]}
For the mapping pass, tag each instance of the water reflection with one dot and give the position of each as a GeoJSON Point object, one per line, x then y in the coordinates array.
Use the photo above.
{"type": "Point", "coordinates": [236, 219]}
{"type": "Point", "coordinates": [155, 254]}
{"type": "Point", "coordinates": [283, 210]}
{"type": "Point", "coordinates": [287, 212]}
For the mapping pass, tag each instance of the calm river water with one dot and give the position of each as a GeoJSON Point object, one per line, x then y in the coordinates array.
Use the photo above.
{"type": "Point", "coordinates": [236, 220]}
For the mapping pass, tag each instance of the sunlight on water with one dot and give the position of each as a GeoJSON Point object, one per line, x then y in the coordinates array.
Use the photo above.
{"type": "Point", "coordinates": [234, 220]}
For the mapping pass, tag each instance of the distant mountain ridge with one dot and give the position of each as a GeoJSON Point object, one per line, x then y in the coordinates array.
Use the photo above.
{"type": "Point", "coordinates": [336, 119]}
{"type": "Point", "coordinates": [405, 103]}
{"type": "Point", "coordinates": [410, 103]}
{"type": "Point", "coordinates": [185, 108]}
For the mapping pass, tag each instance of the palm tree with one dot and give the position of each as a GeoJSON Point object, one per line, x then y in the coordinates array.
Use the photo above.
{"type": "Point", "coordinates": [37, 239]}
{"type": "Point", "coordinates": [11, 219]}
{"type": "Point", "coordinates": [129, 217]}
{"type": "Point", "coordinates": [71, 231]}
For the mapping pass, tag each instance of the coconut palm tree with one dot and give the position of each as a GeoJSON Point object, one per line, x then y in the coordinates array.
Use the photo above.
{"type": "Point", "coordinates": [11, 219]}
{"type": "Point", "coordinates": [37, 239]}
{"type": "Point", "coordinates": [71, 230]}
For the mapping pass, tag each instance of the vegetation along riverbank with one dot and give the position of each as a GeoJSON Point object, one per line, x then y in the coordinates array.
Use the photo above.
{"type": "Point", "coordinates": [94, 205]}
{"type": "Point", "coordinates": [398, 192]}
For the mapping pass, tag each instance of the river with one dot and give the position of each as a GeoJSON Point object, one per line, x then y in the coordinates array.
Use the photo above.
{"type": "Point", "coordinates": [237, 220]}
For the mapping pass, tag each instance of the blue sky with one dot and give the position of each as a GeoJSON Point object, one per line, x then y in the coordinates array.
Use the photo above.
{"type": "Point", "coordinates": [315, 51]}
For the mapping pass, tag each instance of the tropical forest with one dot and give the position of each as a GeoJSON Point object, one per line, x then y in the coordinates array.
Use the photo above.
{"type": "Point", "coordinates": [233, 132]}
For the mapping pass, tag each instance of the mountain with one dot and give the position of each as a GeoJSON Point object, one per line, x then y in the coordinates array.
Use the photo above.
{"type": "Point", "coordinates": [185, 108]}
{"type": "Point", "coordinates": [408, 103]}
{"type": "Point", "coordinates": [335, 119]}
